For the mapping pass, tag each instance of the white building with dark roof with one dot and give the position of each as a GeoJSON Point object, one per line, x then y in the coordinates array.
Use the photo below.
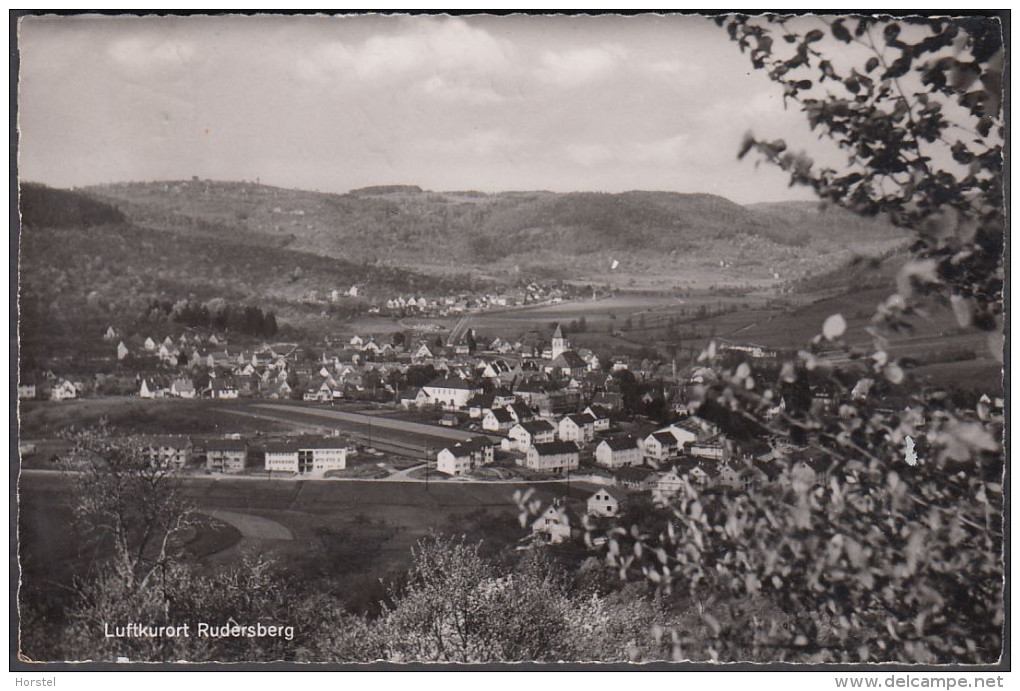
{"type": "Point", "coordinates": [553, 457]}
{"type": "Point", "coordinates": [450, 393]}
{"type": "Point", "coordinates": [607, 502]}
{"type": "Point", "coordinates": [622, 451]}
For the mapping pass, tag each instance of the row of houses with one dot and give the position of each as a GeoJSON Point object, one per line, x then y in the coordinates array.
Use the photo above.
{"type": "Point", "coordinates": [308, 455]}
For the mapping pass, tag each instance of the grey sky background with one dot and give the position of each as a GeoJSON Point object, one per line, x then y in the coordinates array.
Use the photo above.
{"type": "Point", "coordinates": [335, 103]}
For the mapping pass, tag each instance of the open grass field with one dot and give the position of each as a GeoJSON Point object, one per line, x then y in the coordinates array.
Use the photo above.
{"type": "Point", "coordinates": [132, 415]}
{"type": "Point", "coordinates": [346, 534]}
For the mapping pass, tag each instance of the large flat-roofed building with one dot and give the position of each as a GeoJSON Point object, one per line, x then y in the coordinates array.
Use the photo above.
{"type": "Point", "coordinates": [226, 455]}
{"type": "Point", "coordinates": [306, 455]}
{"type": "Point", "coordinates": [166, 450]}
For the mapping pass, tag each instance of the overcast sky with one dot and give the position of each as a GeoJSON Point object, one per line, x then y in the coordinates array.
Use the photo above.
{"type": "Point", "coordinates": [335, 103]}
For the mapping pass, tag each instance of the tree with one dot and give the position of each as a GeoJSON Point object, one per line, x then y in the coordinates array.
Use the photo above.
{"type": "Point", "coordinates": [129, 498]}
{"type": "Point", "coordinates": [269, 327]}
{"type": "Point", "coordinates": [916, 104]}
{"type": "Point", "coordinates": [458, 607]}
{"type": "Point", "coordinates": [874, 554]}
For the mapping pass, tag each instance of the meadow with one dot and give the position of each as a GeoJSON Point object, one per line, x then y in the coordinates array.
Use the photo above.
{"type": "Point", "coordinates": [133, 415]}
{"type": "Point", "coordinates": [350, 538]}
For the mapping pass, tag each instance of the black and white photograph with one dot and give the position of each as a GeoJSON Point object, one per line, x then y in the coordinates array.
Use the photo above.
{"type": "Point", "coordinates": [380, 340]}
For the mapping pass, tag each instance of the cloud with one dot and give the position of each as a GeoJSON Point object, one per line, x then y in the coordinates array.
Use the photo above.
{"type": "Point", "coordinates": [669, 151]}
{"type": "Point", "coordinates": [451, 49]}
{"type": "Point", "coordinates": [480, 143]}
{"type": "Point", "coordinates": [147, 54]}
{"type": "Point", "coordinates": [589, 154]}
{"type": "Point", "coordinates": [579, 66]}
{"type": "Point", "coordinates": [685, 71]}
{"type": "Point", "coordinates": [459, 91]}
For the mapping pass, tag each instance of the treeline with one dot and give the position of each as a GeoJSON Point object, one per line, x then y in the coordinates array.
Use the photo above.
{"type": "Point", "coordinates": [215, 314]}
{"type": "Point", "coordinates": [45, 207]}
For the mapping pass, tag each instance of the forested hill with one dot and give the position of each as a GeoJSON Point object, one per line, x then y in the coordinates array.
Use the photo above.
{"type": "Point", "coordinates": [405, 224]}
{"type": "Point", "coordinates": [84, 265]}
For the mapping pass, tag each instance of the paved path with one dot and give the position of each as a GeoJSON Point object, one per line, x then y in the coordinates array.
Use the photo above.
{"type": "Point", "coordinates": [404, 475]}
{"type": "Point", "coordinates": [252, 527]}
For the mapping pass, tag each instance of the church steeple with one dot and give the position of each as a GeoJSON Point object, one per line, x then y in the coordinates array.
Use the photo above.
{"type": "Point", "coordinates": [560, 344]}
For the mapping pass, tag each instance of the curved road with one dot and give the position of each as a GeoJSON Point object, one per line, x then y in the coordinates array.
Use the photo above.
{"type": "Point", "coordinates": [250, 526]}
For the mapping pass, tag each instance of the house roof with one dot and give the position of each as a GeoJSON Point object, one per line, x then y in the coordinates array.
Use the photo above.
{"type": "Point", "coordinates": [616, 493]}
{"type": "Point", "coordinates": [281, 447]}
{"type": "Point", "coordinates": [176, 441]}
{"type": "Point", "coordinates": [450, 383]}
{"type": "Point", "coordinates": [621, 443]}
{"type": "Point", "coordinates": [568, 358]}
{"type": "Point", "coordinates": [521, 409]}
{"type": "Point", "coordinates": [638, 474]}
{"type": "Point", "coordinates": [555, 448]}
{"type": "Point", "coordinates": [482, 400]}
{"type": "Point", "coordinates": [565, 510]}
{"type": "Point", "coordinates": [411, 394]}
{"type": "Point", "coordinates": [293, 445]}
{"type": "Point", "coordinates": [479, 443]}
{"type": "Point", "coordinates": [580, 419]}
{"type": "Point", "coordinates": [501, 415]}
{"type": "Point", "coordinates": [664, 438]}
{"type": "Point", "coordinates": [459, 450]}
{"type": "Point", "coordinates": [537, 426]}
{"type": "Point", "coordinates": [225, 445]}
{"type": "Point", "coordinates": [531, 386]}
{"type": "Point", "coordinates": [598, 411]}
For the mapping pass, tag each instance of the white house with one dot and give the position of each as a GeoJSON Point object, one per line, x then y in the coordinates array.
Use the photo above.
{"type": "Point", "coordinates": [619, 452]}
{"type": "Point", "coordinates": [578, 427]}
{"type": "Point", "coordinates": [497, 420]}
{"type": "Point", "coordinates": [607, 502]}
{"type": "Point", "coordinates": [668, 484]}
{"type": "Point", "coordinates": [556, 524]}
{"type": "Point", "coordinates": [520, 412]}
{"type": "Point", "coordinates": [464, 456]}
{"type": "Point", "coordinates": [601, 416]}
{"type": "Point", "coordinates": [63, 391]}
{"type": "Point", "coordinates": [681, 434]}
{"type": "Point", "coordinates": [26, 391]}
{"type": "Point", "coordinates": [219, 388]}
{"type": "Point", "coordinates": [713, 449]}
{"type": "Point", "coordinates": [660, 446]}
{"type": "Point", "coordinates": [454, 460]}
{"type": "Point", "coordinates": [166, 450]}
{"type": "Point", "coordinates": [226, 455]}
{"type": "Point", "coordinates": [150, 344]}
{"type": "Point", "coordinates": [306, 456]}
{"type": "Point", "coordinates": [451, 394]}
{"type": "Point", "coordinates": [553, 457]}
{"type": "Point", "coordinates": [122, 351]}
{"type": "Point", "coordinates": [523, 435]}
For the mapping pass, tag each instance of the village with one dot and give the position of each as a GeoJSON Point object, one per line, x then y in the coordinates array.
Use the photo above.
{"type": "Point", "coordinates": [523, 410]}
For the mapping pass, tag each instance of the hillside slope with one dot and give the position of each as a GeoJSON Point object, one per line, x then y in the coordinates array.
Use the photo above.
{"type": "Point", "coordinates": [650, 232]}
{"type": "Point", "coordinates": [83, 268]}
